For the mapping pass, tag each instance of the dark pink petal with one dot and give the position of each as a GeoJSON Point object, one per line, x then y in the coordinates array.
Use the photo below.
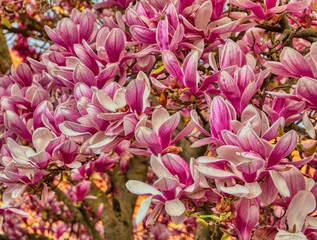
{"type": "Point", "coordinates": [54, 36]}
{"type": "Point", "coordinates": [249, 169]}
{"type": "Point", "coordinates": [82, 189]}
{"type": "Point", "coordinates": [273, 131]}
{"type": "Point", "coordinates": [82, 90]}
{"type": "Point", "coordinates": [229, 138]}
{"type": "Point", "coordinates": [14, 123]}
{"type": "Point", "coordinates": [271, 4]}
{"type": "Point", "coordinates": [132, 18]}
{"type": "Point", "coordinates": [295, 63]}
{"type": "Point", "coordinates": [166, 130]}
{"type": "Point", "coordinates": [24, 73]}
{"type": "Point", "coordinates": [269, 191]}
{"type": "Point", "coordinates": [284, 147]}
{"type": "Point", "coordinates": [172, 15]}
{"type": "Point", "coordinates": [167, 186]}
{"type": "Point", "coordinates": [177, 166]}
{"type": "Point", "coordinates": [247, 95]}
{"type": "Point", "coordinates": [107, 74]}
{"type": "Point", "coordinates": [134, 95]}
{"type": "Point", "coordinates": [226, 28]}
{"type": "Point", "coordinates": [143, 34]}
{"type": "Point", "coordinates": [247, 218]}
{"type": "Point", "coordinates": [87, 24]}
{"type": "Point", "coordinates": [68, 31]}
{"type": "Point", "coordinates": [195, 118]}
{"type": "Point", "coordinates": [244, 77]}
{"type": "Point", "coordinates": [162, 33]}
{"type": "Point", "coordinates": [307, 89]}
{"type": "Point", "coordinates": [229, 88]}
{"type": "Point", "coordinates": [67, 151]}
{"type": "Point", "coordinates": [172, 65]}
{"type": "Point", "coordinates": [220, 117]}
{"type": "Point", "coordinates": [86, 59]}
{"type": "Point", "coordinates": [191, 76]}
{"type": "Point", "coordinates": [249, 5]}
{"type": "Point", "coordinates": [82, 74]}
{"type": "Point", "coordinates": [149, 139]}
{"type": "Point", "coordinates": [115, 45]}
{"type": "Point", "coordinates": [249, 141]}
{"type": "Point", "coordinates": [232, 55]}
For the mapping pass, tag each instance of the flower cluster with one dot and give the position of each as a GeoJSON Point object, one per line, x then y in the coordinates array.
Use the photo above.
{"type": "Point", "coordinates": [153, 79]}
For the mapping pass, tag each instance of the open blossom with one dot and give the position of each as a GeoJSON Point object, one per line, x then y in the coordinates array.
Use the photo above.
{"type": "Point", "coordinates": [206, 109]}
{"type": "Point", "coordinates": [248, 158]}
{"type": "Point", "coordinates": [174, 180]}
{"type": "Point", "coordinates": [271, 7]}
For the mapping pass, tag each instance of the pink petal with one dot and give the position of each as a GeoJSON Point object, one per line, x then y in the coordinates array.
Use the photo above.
{"type": "Point", "coordinates": [202, 16]}
{"type": "Point", "coordinates": [14, 123]}
{"type": "Point", "coordinates": [172, 65]}
{"type": "Point", "coordinates": [115, 45]}
{"type": "Point", "coordinates": [174, 207]}
{"type": "Point", "coordinates": [280, 183]}
{"type": "Point", "coordinates": [134, 95]}
{"type": "Point", "coordinates": [167, 128]}
{"type": "Point", "coordinates": [190, 71]}
{"type": "Point", "coordinates": [141, 188]}
{"type": "Point", "coordinates": [284, 147]}
{"type": "Point", "coordinates": [149, 138]}
{"type": "Point", "coordinates": [249, 141]}
{"type": "Point", "coordinates": [143, 34]}
{"type": "Point", "coordinates": [162, 33]}
{"type": "Point", "coordinates": [295, 63]}
{"type": "Point", "coordinates": [83, 74]}
{"type": "Point", "coordinates": [143, 210]}
{"type": "Point", "coordinates": [302, 204]}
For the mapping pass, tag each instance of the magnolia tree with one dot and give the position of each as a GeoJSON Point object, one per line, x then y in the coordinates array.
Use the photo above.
{"type": "Point", "coordinates": [204, 109]}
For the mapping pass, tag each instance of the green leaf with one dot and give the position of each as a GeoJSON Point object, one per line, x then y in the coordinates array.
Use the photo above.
{"type": "Point", "coordinates": [159, 70]}
{"type": "Point", "coordinates": [6, 22]}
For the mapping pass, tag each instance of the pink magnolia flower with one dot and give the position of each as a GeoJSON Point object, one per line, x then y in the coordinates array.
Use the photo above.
{"type": "Point", "coordinates": [188, 77]}
{"type": "Point", "coordinates": [248, 158]}
{"type": "Point", "coordinates": [271, 7]}
{"type": "Point", "coordinates": [160, 137]}
{"type": "Point", "coordinates": [80, 26]}
{"type": "Point", "coordinates": [175, 180]}
{"type": "Point", "coordinates": [302, 204]}
{"type": "Point", "coordinates": [240, 88]}
{"type": "Point", "coordinates": [247, 217]}
{"type": "Point", "coordinates": [289, 109]}
{"type": "Point", "coordinates": [293, 64]}
{"type": "Point", "coordinates": [221, 115]}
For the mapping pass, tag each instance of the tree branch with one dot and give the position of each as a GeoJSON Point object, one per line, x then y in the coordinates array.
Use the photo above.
{"type": "Point", "coordinates": [81, 215]}
{"type": "Point", "coordinates": [5, 59]}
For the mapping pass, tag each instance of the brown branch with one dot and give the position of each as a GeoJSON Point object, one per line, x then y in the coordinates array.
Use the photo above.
{"type": "Point", "coordinates": [79, 214]}
{"type": "Point", "coordinates": [5, 59]}
{"type": "Point", "coordinates": [119, 205]}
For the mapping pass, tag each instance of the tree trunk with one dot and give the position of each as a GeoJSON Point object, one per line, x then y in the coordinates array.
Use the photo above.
{"type": "Point", "coordinates": [5, 59]}
{"type": "Point", "coordinates": [120, 203]}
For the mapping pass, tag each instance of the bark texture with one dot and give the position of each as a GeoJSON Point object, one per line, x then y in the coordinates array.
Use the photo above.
{"type": "Point", "coordinates": [5, 59]}
{"type": "Point", "coordinates": [120, 203]}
